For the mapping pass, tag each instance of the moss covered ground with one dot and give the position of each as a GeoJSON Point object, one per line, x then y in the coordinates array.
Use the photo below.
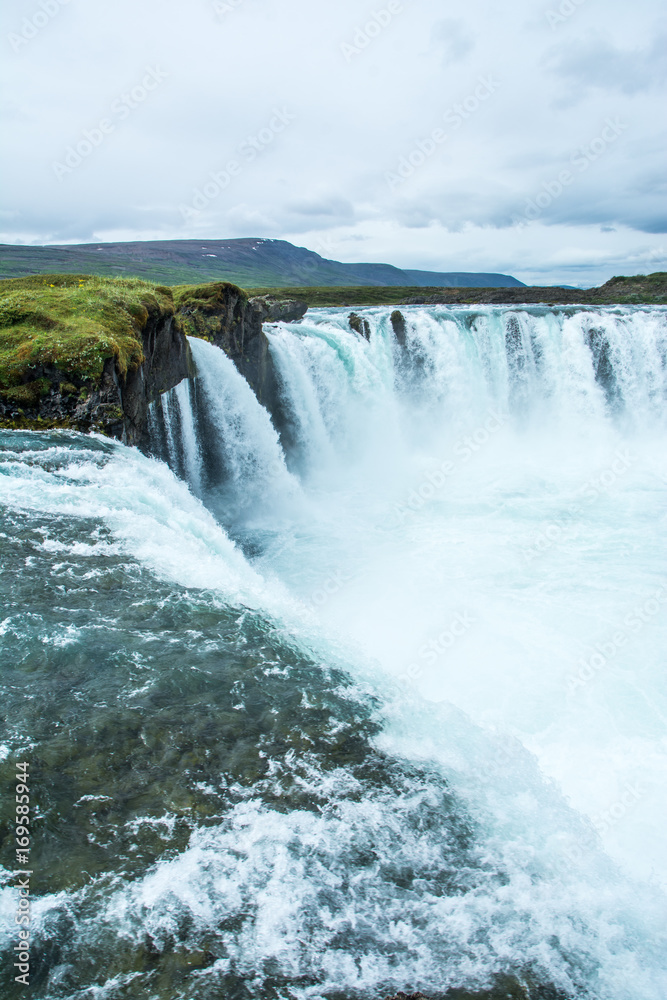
{"type": "Point", "coordinates": [73, 323]}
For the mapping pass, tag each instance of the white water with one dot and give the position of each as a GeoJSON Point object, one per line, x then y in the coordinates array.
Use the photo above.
{"type": "Point", "coordinates": [243, 441]}
{"type": "Point", "coordinates": [191, 446]}
{"type": "Point", "coordinates": [497, 490]}
{"type": "Point", "coordinates": [152, 516]}
{"type": "Point", "coordinates": [480, 522]}
{"type": "Point", "coordinates": [492, 532]}
{"type": "Point", "coordinates": [487, 526]}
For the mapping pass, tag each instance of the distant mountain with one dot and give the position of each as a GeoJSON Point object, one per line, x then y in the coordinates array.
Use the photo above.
{"type": "Point", "coordinates": [250, 263]}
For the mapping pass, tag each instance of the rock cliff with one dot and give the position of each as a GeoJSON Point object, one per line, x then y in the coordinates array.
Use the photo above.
{"type": "Point", "coordinates": [94, 353]}
{"type": "Point", "coordinates": [228, 318]}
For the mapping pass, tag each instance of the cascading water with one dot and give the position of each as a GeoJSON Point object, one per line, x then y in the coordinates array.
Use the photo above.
{"type": "Point", "coordinates": [221, 440]}
{"type": "Point", "coordinates": [414, 738]}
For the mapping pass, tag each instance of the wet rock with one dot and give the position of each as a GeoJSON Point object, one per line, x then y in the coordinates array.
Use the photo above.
{"type": "Point", "coordinates": [601, 353]}
{"type": "Point", "coordinates": [359, 325]}
{"type": "Point", "coordinates": [273, 310]}
{"type": "Point", "coordinates": [225, 316]}
{"type": "Point", "coordinates": [398, 326]}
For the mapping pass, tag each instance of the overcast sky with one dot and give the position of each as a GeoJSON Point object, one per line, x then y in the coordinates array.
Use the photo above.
{"type": "Point", "coordinates": [525, 137]}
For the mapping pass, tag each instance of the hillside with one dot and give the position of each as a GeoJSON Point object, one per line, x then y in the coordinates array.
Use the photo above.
{"type": "Point", "coordinates": [250, 263]}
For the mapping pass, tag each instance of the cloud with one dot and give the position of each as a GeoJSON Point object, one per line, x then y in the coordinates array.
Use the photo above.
{"type": "Point", "coordinates": [595, 63]}
{"type": "Point", "coordinates": [453, 37]}
{"type": "Point", "coordinates": [332, 207]}
{"type": "Point", "coordinates": [325, 173]}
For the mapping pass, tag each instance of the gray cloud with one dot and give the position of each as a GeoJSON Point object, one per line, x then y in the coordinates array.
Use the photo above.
{"type": "Point", "coordinates": [454, 39]}
{"type": "Point", "coordinates": [203, 153]}
{"type": "Point", "coordinates": [596, 63]}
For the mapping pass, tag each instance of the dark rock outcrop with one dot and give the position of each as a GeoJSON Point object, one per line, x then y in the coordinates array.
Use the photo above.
{"type": "Point", "coordinates": [55, 399]}
{"type": "Point", "coordinates": [359, 325]}
{"type": "Point", "coordinates": [168, 362]}
{"type": "Point", "coordinates": [398, 326]}
{"type": "Point", "coordinates": [224, 315]}
{"type": "Point", "coordinates": [116, 403]}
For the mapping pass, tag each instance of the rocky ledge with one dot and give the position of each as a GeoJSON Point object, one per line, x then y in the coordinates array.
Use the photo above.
{"type": "Point", "coordinates": [91, 353]}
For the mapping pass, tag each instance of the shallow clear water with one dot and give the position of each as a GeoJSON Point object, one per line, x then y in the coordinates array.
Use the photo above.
{"type": "Point", "coordinates": [371, 699]}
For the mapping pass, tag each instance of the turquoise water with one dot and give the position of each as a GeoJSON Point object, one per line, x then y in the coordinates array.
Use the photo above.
{"type": "Point", "coordinates": [368, 698]}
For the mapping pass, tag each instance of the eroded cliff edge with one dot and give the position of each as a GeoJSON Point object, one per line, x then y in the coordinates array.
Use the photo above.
{"type": "Point", "coordinates": [90, 353]}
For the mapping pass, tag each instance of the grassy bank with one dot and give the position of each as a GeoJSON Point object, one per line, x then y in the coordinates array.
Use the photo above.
{"type": "Point", "coordinates": [72, 323]}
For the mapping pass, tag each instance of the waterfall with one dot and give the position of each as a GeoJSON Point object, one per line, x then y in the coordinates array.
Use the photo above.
{"type": "Point", "coordinates": [192, 457]}
{"type": "Point", "coordinates": [492, 469]}
{"type": "Point", "coordinates": [347, 402]}
{"type": "Point", "coordinates": [174, 433]}
{"type": "Point", "coordinates": [392, 658]}
{"type": "Point", "coordinates": [212, 432]}
{"type": "Point", "coordinates": [244, 461]}
{"type": "Point", "coordinates": [534, 365]}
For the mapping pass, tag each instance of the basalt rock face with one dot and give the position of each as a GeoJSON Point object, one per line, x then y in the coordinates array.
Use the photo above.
{"type": "Point", "coordinates": [256, 365]}
{"type": "Point", "coordinates": [359, 325]}
{"type": "Point", "coordinates": [168, 362]}
{"type": "Point", "coordinates": [116, 403]}
{"type": "Point", "coordinates": [398, 326]}
{"type": "Point", "coordinates": [54, 399]}
{"type": "Point", "coordinates": [222, 314]}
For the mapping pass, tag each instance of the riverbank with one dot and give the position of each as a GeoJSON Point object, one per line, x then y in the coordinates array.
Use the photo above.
{"type": "Point", "coordinates": [85, 353]}
{"type": "Point", "coordinates": [88, 353]}
{"type": "Point", "coordinates": [639, 290]}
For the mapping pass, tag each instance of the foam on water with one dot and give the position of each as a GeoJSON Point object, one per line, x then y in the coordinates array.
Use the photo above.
{"type": "Point", "coordinates": [151, 514]}
{"type": "Point", "coordinates": [522, 542]}
{"type": "Point", "coordinates": [479, 521]}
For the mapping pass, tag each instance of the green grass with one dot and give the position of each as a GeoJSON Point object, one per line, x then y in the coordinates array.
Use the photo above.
{"type": "Point", "coordinates": [203, 308]}
{"type": "Point", "coordinates": [180, 266]}
{"type": "Point", "coordinates": [208, 296]}
{"type": "Point", "coordinates": [365, 295]}
{"type": "Point", "coordinates": [638, 290]}
{"type": "Point", "coordinates": [19, 262]}
{"type": "Point", "coordinates": [73, 323]}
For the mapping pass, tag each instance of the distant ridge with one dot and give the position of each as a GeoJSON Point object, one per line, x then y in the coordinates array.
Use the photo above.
{"type": "Point", "coordinates": [250, 263]}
